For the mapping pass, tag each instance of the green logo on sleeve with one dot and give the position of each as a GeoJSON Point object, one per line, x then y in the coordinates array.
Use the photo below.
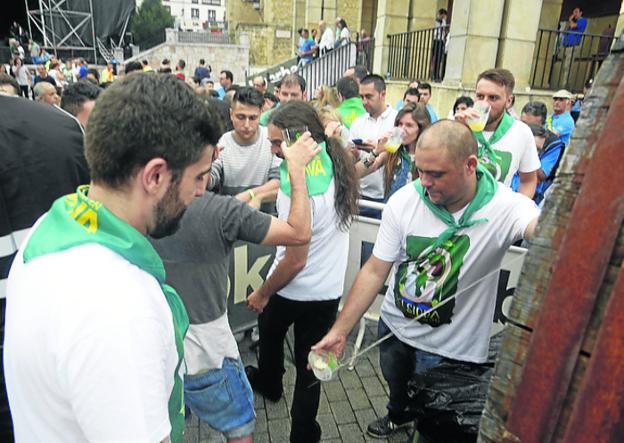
{"type": "Point", "coordinates": [428, 277]}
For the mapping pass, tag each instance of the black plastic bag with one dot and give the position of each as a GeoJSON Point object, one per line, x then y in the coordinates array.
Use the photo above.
{"type": "Point", "coordinates": [448, 400]}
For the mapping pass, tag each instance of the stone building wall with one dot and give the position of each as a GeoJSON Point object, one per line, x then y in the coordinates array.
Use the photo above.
{"type": "Point", "coordinates": [219, 56]}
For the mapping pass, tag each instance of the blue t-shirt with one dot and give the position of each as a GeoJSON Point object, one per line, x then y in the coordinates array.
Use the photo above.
{"type": "Point", "coordinates": [549, 156]}
{"type": "Point", "coordinates": [432, 114]}
{"type": "Point", "coordinates": [305, 47]}
{"type": "Point", "coordinates": [573, 36]}
{"type": "Point", "coordinates": [563, 124]}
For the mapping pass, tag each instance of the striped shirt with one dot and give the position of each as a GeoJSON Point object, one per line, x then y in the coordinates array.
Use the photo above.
{"type": "Point", "coordinates": [242, 167]}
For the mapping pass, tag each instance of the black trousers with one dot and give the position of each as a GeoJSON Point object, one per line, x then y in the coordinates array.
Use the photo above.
{"type": "Point", "coordinates": [312, 320]}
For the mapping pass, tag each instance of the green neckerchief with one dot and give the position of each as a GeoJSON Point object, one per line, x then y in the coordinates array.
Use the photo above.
{"type": "Point", "coordinates": [486, 188]}
{"type": "Point", "coordinates": [350, 109]}
{"type": "Point", "coordinates": [318, 173]}
{"type": "Point", "coordinates": [75, 220]}
{"type": "Point", "coordinates": [485, 146]}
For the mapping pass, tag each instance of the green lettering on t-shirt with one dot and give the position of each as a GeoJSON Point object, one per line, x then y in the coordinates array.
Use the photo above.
{"type": "Point", "coordinates": [422, 282]}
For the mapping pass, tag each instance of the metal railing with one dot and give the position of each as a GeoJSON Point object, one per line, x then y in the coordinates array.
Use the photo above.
{"type": "Point", "coordinates": [330, 67]}
{"type": "Point", "coordinates": [566, 60]}
{"type": "Point", "coordinates": [324, 70]}
{"type": "Point", "coordinates": [418, 54]}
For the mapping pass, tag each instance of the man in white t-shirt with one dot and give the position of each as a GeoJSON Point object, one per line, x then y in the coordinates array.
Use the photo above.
{"type": "Point", "coordinates": [246, 167]}
{"type": "Point", "coordinates": [442, 236]}
{"type": "Point", "coordinates": [326, 43]}
{"type": "Point", "coordinates": [101, 357]}
{"type": "Point", "coordinates": [367, 129]}
{"type": "Point", "coordinates": [507, 139]}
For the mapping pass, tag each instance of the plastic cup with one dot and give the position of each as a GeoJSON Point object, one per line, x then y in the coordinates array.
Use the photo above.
{"type": "Point", "coordinates": [324, 366]}
{"type": "Point", "coordinates": [477, 124]}
{"type": "Point", "coordinates": [394, 142]}
{"type": "Point", "coordinates": [291, 135]}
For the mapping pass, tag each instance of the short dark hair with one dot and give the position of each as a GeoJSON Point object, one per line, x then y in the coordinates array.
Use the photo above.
{"type": "Point", "coordinates": [359, 72]}
{"type": "Point", "coordinates": [133, 66]}
{"type": "Point", "coordinates": [377, 80]}
{"type": "Point", "coordinates": [248, 96]}
{"type": "Point", "coordinates": [144, 62]}
{"type": "Point", "coordinates": [75, 94]}
{"type": "Point", "coordinates": [228, 75]}
{"type": "Point", "coordinates": [293, 79]}
{"type": "Point", "coordinates": [202, 61]}
{"type": "Point", "coordinates": [500, 76]}
{"type": "Point", "coordinates": [347, 88]}
{"type": "Point", "coordinates": [145, 116]}
{"type": "Point", "coordinates": [464, 99]}
{"type": "Point", "coordinates": [271, 97]}
{"type": "Point", "coordinates": [424, 85]}
{"type": "Point", "coordinates": [411, 91]}
{"type": "Point", "coordinates": [442, 11]}
{"type": "Point", "coordinates": [181, 63]}
{"type": "Point", "coordinates": [538, 130]}
{"type": "Point", "coordinates": [94, 72]}
{"type": "Point", "coordinates": [6, 79]}
{"type": "Point", "coordinates": [537, 109]}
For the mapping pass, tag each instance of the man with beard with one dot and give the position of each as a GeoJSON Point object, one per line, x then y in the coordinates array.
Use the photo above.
{"type": "Point", "coordinates": [444, 235]}
{"type": "Point", "coordinates": [506, 145]}
{"type": "Point", "coordinates": [102, 354]}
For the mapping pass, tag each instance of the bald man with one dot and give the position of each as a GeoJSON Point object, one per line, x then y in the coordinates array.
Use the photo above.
{"type": "Point", "coordinates": [46, 93]}
{"type": "Point", "coordinates": [444, 235]}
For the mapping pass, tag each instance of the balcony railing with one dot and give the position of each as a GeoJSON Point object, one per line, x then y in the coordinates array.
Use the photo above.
{"type": "Point", "coordinates": [566, 60]}
{"type": "Point", "coordinates": [418, 54]}
{"type": "Point", "coordinates": [330, 67]}
{"type": "Point", "coordinates": [326, 69]}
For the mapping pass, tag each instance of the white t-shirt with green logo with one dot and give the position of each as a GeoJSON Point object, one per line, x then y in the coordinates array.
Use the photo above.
{"type": "Point", "coordinates": [516, 152]}
{"type": "Point", "coordinates": [466, 265]}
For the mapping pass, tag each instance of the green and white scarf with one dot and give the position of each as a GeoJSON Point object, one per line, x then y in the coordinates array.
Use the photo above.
{"type": "Point", "coordinates": [319, 173]}
{"type": "Point", "coordinates": [486, 188]}
{"type": "Point", "coordinates": [485, 146]}
{"type": "Point", "coordinates": [75, 220]}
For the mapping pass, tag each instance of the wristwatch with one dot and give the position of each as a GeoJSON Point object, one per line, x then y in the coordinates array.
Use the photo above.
{"type": "Point", "coordinates": [369, 159]}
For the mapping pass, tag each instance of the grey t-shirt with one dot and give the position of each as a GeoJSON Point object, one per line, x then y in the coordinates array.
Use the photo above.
{"type": "Point", "coordinates": [197, 257]}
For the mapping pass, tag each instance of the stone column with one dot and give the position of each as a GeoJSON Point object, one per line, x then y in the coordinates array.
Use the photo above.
{"type": "Point", "coordinates": [473, 40]}
{"type": "Point", "coordinates": [549, 17]}
{"type": "Point", "coordinates": [423, 14]}
{"type": "Point", "coordinates": [391, 18]}
{"type": "Point", "coordinates": [316, 8]}
{"type": "Point", "coordinates": [517, 41]}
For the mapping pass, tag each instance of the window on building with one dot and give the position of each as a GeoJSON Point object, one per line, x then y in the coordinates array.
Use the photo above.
{"type": "Point", "coordinates": [212, 15]}
{"type": "Point", "coordinates": [168, 8]}
{"type": "Point", "coordinates": [195, 1]}
{"type": "Point", "coordinates": [194, 13]}
{"type": "Point", "coordinates": [212, 2]}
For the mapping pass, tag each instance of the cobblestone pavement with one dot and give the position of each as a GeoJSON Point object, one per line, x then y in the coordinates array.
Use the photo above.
{"type": "Point", "coordinates": [348, 404]}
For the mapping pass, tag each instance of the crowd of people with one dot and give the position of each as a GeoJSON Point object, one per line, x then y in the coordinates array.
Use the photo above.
{"type": "Point", "coordinates": [123, 281]}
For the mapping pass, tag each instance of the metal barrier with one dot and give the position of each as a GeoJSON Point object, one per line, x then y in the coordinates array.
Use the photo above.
{"type": "Point", "coordinates": [566, 60]}
{"type": "Point", "coordinates": [202, 37]}
{"type": "Point", "coordinates": [418, 54]}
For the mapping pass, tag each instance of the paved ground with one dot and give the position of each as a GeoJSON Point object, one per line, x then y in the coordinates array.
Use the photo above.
{"type": "Point", "coordinates": [348, 404]}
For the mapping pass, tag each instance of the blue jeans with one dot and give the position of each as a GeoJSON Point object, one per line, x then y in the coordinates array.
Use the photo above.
{"type": "Point", "coordinates": [399, 363]}
{"type": "Point", "coordinates": [223, 398]}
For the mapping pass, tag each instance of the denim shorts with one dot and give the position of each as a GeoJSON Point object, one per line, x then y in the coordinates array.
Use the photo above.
{"type": "Point", "coordinates": [223, 398]}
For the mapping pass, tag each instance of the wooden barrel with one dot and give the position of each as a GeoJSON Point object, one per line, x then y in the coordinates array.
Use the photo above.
{"type": "Point", "coordinates": [560, 374]}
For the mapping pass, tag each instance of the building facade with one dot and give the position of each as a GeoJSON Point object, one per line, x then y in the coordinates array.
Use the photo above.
{"type": "Point", "coordinates": [197, 15]}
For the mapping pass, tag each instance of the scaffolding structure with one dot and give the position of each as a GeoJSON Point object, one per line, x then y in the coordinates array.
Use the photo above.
{"type": "Point", "coordinates": [63, 27]}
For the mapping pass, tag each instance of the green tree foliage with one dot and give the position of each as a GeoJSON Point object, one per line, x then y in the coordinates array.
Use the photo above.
{"type": "Point", "coordinates": [148, 25]}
